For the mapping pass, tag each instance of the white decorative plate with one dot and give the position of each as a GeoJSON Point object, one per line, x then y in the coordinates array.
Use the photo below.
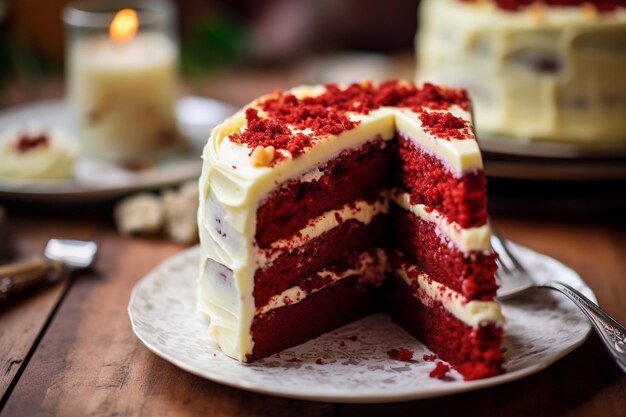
{"type": "Point", "coordinates": [99, 180]}
{"type": "Point", "coordinates": [351, 363]}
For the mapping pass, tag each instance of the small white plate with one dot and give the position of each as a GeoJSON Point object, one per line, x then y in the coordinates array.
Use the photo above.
{"type": "Point", "coordinates": [351, 363]}
{"type": "Point", "coordinates": [99, 180]}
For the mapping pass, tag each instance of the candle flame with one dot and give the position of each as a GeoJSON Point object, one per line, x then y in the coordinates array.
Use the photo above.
{"type": "Point", "coordinates": [124, 25]}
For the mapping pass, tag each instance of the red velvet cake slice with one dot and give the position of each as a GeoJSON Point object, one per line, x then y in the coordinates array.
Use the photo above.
{"type": "Point", "coordinates": [311, 198]}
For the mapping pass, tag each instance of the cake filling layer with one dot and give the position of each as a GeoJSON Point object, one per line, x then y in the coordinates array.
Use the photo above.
{"type": "Point", "coordinates": [466, 239]}
{"type": "Point", "coordinates": [422, 244]}
{"type": "Point", "coordinates": [361, 211]}
{"type": "Point", "coordinates": [370, 266]}
{"type": "Point", "coordinates": [338, 248]}
{"type": "Point", "coordinates": [473, 313]}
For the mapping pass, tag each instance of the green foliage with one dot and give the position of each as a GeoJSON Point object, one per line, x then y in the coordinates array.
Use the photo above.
{"type": "Point", "coordinates": [216, 43]}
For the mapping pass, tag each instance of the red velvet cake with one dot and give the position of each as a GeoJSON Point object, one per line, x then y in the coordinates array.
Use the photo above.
{"type": "Point", "coordinates": [318, 203]}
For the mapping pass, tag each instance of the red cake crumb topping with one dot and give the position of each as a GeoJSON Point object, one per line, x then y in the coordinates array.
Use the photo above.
{"type": "Point", "coordinates": [319, 361]}
{"type": "Point", "coordinates": [440, 371]}
{"type": "Point", "coordinates": [327, 114]}
{"type": "Point", "coordinates": [363, 98]}
{"type": "Point", "coordinates": [27, 143]}
{"type": "Point", "coordinates": [308, 113]}
{"type": "Point", "coordinates": [429, 358]}
{"type": "Point", "coordinates": [353, 338]}
{"type": "Point", "coordinates": [445, 125]}
{"type": "Point", "coordinates": [402, 354]}
{"type": "Point", "coordinates": [266, 132]}
{"type": "Point", "coordinates": [601, 5]}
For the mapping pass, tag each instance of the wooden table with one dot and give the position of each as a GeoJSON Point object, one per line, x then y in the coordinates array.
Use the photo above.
{"type": "Point", "coordinates": [69, 350]}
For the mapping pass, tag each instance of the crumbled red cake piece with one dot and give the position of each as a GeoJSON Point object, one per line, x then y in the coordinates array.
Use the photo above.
{"type": "Point", "coordinates": [319, 361]}
{"type": "Point", "coordinates": [27, 143]}
{"type": "Point", "coordinates": [429, 358]}
{"type": "Point", "coordinates": [327, 114]}
{"type": "Point", "coordinates": [440, 371]}
{"type": "Point", "coordinates": [353, 338]}
{"type": "Point", "coordinates": [602, 5]}
{"type": "Point", "coordinates": [402, 354]}
{"type": "Point", "coordinates": [445, 125]}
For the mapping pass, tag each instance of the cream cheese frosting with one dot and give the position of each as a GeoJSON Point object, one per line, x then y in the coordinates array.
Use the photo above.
{"type": "Point", "coordinates": [52, 158]}
{"type": "Point", "coordinates": [368, 265]}
{"type": "Point", "coordinates": [546, 73]}
{"type": "Point", "coordinates": [473, 313]}
{"type": "Point", "coordinates": [361, 211]}
{"type": "Point", "coordinates": [232, 187]}
{"type": "Point", "coordinates": [466, 239]}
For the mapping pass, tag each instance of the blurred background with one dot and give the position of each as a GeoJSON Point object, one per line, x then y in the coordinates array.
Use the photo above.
{"type": "Point", "coordinates": [233, 50]}
{"type": "Point", "coordinates": [236, 50]}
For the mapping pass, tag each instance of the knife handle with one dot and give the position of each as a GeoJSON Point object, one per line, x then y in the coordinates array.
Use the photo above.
{"type": "Point", "coordinates": [20, 276]}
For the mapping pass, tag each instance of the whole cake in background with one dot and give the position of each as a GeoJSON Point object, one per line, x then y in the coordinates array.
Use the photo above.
{"type": "Point", "coordinates": [318, 203]}
{"type": "Point", "coordinates": [536, 70]}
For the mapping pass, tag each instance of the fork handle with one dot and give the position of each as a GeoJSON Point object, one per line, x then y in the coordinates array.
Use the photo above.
{"type": "Point", "coordinates": [20, 276]}
{"type": "Point", "coordinates": [611, 332]}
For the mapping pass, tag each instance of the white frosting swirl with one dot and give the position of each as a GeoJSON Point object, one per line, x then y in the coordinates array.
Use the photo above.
{"type": "Point", "coordinates": [53, 159]}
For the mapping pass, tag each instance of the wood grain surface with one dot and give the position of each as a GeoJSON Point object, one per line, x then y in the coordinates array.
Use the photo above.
{"type": "Point", "coordinates": [23, 318]}
{"type": "Point", "coordinates": [89, 363]}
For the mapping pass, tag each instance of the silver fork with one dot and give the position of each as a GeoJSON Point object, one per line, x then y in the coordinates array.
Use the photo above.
{"type": "Point", "coordinates": [514, 279]}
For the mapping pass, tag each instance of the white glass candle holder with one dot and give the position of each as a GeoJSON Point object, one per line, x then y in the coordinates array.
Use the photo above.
{"type": "Point", "coordinates": [122, 77]}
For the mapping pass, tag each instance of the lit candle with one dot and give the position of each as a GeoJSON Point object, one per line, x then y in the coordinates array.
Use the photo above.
{"type": "Point", "coordinates": [122, 88]}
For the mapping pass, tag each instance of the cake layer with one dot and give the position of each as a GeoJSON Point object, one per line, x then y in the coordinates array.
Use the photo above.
{"type": "Point", "coordinates": [338, 247]}
{"type": "Point", "coordinates": [473, 350]}
{"type": "Point", "coordinates": [430, 182]}
{"type": "Point", "coordinates": [471, 312]}
{"type": "Point", "coordinates": [421, 241]}
{"type": "Point", "coordinates": [343, 302]}
{"type": "Point", "coordinates": [355, 174]}
{"type": "Point", "coordinates": [361, 211]}
{"type": "Point", "coordinates": [467, 239]}
{"type": "Point", "coordinates": [369, 265]}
